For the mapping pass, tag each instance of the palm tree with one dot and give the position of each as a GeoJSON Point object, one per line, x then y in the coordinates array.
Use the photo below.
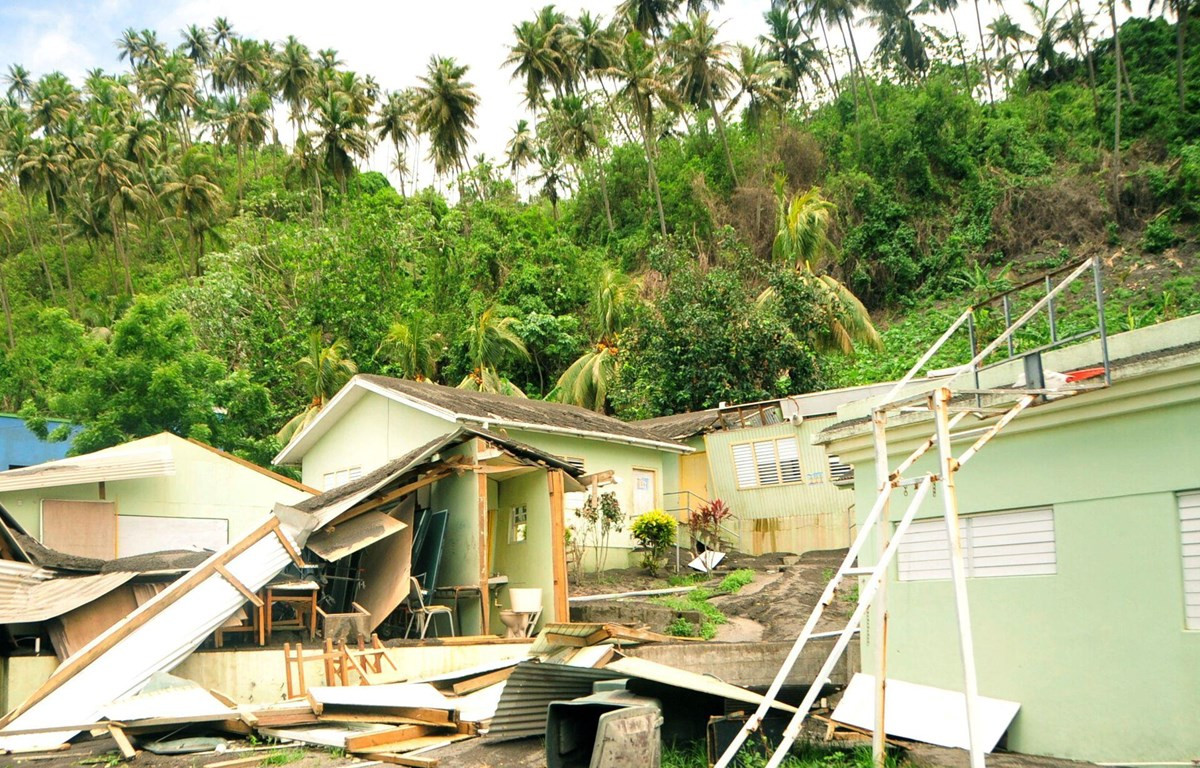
{"type": "Point", "coordinates": [1049, 35]}
{"type": "Point", "coordinates": [761, 80]}
{"type": "Point", "coordinates": [491, 341]}
{"type": "Point", "coordinates": [197, 200]}
{"type": "Point", "coordinates": [550, 173]}
{"type": "Point", "coordinates": [1005, 33]}
{"type": "Point", "coordinates": [294, 77]}
{"type": "Point", "coordinates": [1116, 174]}
{"type": "Point", "coordinates": [647, 16]}
{"type": "Point", "coordinates": [642, 85]}
{"type": "Point", "coordinates": [520, 150]}
{"type": "Point", "coordinates": [395, 123]}
{"type": "Point", "coordinates": [841, 12]}
{"type": "Point", "coordinates": [171, 85]}
{"type": "Point", "coordinates": [579, 134]}
{"type": "Point", "coordinates": [6, 235]}
{"type": "Point", "coordinates": [1078, 29]}
{"type": "Point", "coordinates": [795, 58]}
{"type": "Point", "coordinates": [129, 46]}
{"type": "Point", "coordinates": [949, 7]}
{"type": "Point", "coordinates": [587, 381]}
{"type": "Point", "coordinates": [322, 372]}
{"type": "Point", "coordinates": [20, 148]}
{"type": "Point", "coordinates": [222, 33]}
{"type": "Point", "coordinates": [987, 63]}
{"type": "Point", "coordinates": [901, 41]}
{"type": "Point", "coordinates": [341, 136]}
{"type": "Point", "coordinates": [20, 82]}
{"type": "Point", "coordinates": [414, 346]}
{"type": "Point", "coordinates": [446, 105]}
{"type": "Point", "coordinates": [703, 70]}
{"type": "Point", "coordinates": [48, 168]}
{"type": "Point", "coordinates": [802, 239]}
{"type": "Point", "coordinates": [113, 178]}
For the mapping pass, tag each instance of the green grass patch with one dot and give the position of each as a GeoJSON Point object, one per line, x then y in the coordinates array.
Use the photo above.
{"type": "Point", "coordinates": [802, 755]}
{"type": "Point", "coordinates": [686, 579]}
{"type": "Point", "coordinates": [282, 758]}
{"type": "Point", "coordinates": [696, 600]}
{"type": "Point", "coordinates": [735, 581]}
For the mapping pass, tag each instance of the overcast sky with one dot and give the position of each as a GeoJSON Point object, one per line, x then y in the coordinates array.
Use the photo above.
{"type": "Point", "coordinates": [391, 40]}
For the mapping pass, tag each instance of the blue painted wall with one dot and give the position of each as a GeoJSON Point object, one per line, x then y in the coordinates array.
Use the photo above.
{"type": "Point", "coordinates": [21, 448]}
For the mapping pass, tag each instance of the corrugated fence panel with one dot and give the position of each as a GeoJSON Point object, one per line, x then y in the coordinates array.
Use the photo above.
{"type": "Point", "coordinates": [531, 688]}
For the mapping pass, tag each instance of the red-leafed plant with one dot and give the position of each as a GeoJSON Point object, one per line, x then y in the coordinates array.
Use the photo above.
{"type": "Point", "coordinates": [705, 523]}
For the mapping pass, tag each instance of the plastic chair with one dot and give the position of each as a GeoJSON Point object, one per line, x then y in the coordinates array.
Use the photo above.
{"type": "Point", "coordinates": [424, 614]}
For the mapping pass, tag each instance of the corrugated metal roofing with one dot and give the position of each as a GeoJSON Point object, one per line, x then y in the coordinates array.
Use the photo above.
{"type": "Point", "coordinates": [529, 690]}
{"type": "Point", "coordinates": [173, 624]}
{"type": "Point", "coordinates": [645, 669]}
{"type": "Point", "coordinates": [38, 596]}
{"type": "Point", "coordinates": [121, 462]}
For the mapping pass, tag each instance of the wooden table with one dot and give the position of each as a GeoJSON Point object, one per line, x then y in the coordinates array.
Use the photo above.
{"type": "Point", "coordinates": [302, 596]}
{"type": "Point", "coordinates": [455, 592]}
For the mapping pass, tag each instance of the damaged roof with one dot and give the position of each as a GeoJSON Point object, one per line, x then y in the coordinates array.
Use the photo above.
{"type": "Point", "coordinates": [480, 409]}
{"type": "Point", "coordinates": [391, 471]}
{"type": "Point", "coordinates": [175, 561]}
{"type": "Point", "coordinates": [681, 426]}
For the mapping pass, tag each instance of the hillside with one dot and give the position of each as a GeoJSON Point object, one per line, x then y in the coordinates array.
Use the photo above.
{"type": "Point", "coordinates": [169, 263]}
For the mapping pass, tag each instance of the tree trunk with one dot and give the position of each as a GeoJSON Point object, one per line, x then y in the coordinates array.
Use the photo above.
{"type": "Point", "coordinates": [1087, 49]}
{"type": "Point", "coordinates": [987, 63]}
{"type": "Point", "coordinates": [62, 250]}
{"type": "Point", "coordinates": [120, 246]}
{"type": "Point", "coordinates": [962, 52]}
{"type": "Point", "coordinates": [837, 94]}
{"type": "Point", "coordinates": [647, 127]}
{"type": "Point", "coordinates": [1181, 23]}
{"type": "Point", "coordinates": [33, 240]}
{"type": "Point", "coordinates": [12, 339]}
{"type": "Point", "coordinates": [604, 192]}
{"type": "Point", "coordinates": [1116, 180]}
{"type": "Point", "coordinates": [853, 79]}
{"type": "Point", "coordinates": [858, 61]}
{"type": "Point", "coordinates": [725, 143]}
{"type": "Point", "coordinates": [396, 144]}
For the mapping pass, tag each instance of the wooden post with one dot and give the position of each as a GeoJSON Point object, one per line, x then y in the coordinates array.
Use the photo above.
{"type": "Point", "coordinates": [484, 608]}
{"type": "Point", "coordinates": [558, 545]}
{"type": "Point", "coordinates": [879, 616]}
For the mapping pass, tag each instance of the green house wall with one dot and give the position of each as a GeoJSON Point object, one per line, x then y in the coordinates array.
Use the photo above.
{"type": "Point", "coordinates": [1097, 654]}
{"type": "Point", "coordinates": [796, 517]}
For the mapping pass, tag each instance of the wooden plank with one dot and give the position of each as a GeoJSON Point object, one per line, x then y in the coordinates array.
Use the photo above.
{"type": "Point", "coordinates": [123, 743]}
{"type": "Point", "coordinates": [558, 546]}
{"type": "Point", "coordinates": [388, 564]}
{"type": "Point", "coordinates": [420, 715]}
{"type": "Point", "coordinates": [253, 759]}
{"type": "Point", "coordinates": [287, 545]}
{"type": "Point", "coordinates": [482, 505]}
{"type": "Point", "coordinates": [386, 738]}
{"type": "Point", "coordinates": [412, 761]}
{"type": "Point", "coordinates": [239, 586]}
{"type": "Point", "coordinates": [80, 661]}
{"type": "Point", "coordinates": [432, 475]}
{"type": "Point", "coordinates": [482, 681]}
{"type": "Point", "coordinates": [572, 641]}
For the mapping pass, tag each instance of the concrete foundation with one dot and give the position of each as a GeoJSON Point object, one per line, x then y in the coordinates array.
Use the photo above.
{"type": "Point", "coordinates": [752, 665]}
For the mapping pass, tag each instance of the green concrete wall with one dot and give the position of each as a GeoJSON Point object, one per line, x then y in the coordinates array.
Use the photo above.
{"type": "Point", "coordinates": [205, 485]}
{"type": "Point", "coordinates": [372, 432]}
{"type": "Point", "coordinates": [1096, 654]}
{"type": "Point", "coordinates": [459, 494]}
{"type": "Point", "coordinates": [601, 455]}
{"type": "Point", "coordinates": [528, 563]}
{"type": "Point", "coordinates": [797, 517]}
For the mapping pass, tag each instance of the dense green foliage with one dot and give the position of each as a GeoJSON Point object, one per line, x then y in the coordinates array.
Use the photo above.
{"type": "Point", "coordinates": [167, 263]}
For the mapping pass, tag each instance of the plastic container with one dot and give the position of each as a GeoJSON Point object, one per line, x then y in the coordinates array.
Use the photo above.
{"type": "Point", "coordinates": [525, 600]}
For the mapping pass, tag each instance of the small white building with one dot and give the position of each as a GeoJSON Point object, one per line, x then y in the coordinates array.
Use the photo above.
{"type": "Point", "coordinates": [159, 493]}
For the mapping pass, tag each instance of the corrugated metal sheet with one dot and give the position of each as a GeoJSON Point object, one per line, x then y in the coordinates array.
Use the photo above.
{"type": "Point", "coordinates": [122, 462]}
{"type": "Point", "coordinates": [175, 622]}
{"type": "Point", "coordinates": [38, 598]}
{"type": "Point", "coordinates": [645, 669]}
{"type": "Point", "coordinates": [529, 690]}
{"type": "Point", "coordinates": [15, 578]}
{"type": "Point", "coordinates": [183, 698]}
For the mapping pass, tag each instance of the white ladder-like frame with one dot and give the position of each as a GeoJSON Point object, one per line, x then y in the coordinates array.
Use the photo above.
{"type": "Point", "coordinates": [941, 403]}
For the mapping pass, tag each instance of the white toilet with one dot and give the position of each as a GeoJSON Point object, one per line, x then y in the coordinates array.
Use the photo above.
{"type": "Point", "coordinates": [526, 610]}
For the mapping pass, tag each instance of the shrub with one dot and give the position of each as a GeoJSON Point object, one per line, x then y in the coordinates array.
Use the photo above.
{"type": "Point", "coordinates": [681, 627]}
{"type": "Point", "coordinates": [654, 530]}
{"type": "Point", "coordinates": [705, 523]}
{"type": "Point", "coordinates": [736, 580]}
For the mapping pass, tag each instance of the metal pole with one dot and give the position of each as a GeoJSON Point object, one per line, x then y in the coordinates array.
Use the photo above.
{"type": "Point", "coordinates": [1096, 278]}
{"type": "Point", "coordinates": [974, 350]}
{"type": "Point", "coordinates": [949, 465]}
{"type": "Point", "coordinates": [879, 617]}
{"type": "Point", "coordinates": [929, 353]}
{"type": "Point", "coordinates": [1008, 323]}
{"type": "Point", "coordinates": [1050, 311]}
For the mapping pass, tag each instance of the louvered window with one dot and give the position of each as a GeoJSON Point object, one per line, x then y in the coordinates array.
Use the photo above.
{"type": "Point", "coordinates": [342, 476]}
{"type": "Point", "coordinates": [574, 462]}
{"type": "Point", "coordinates": [1189, 527]}
{"type": "Point", "coordinates": [1018, 543]}
{"type": "Point", "coordinates": [767, 462]}
{"type": "Point", "coordinates": [839, 471]}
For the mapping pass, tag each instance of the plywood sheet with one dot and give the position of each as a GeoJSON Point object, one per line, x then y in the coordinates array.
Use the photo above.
{"type": "Point", "coordinates": [386, 567]}
{"type": "Point", "coordinates": [75, 629]}
{"type": "Point", "coordinates": [923, 713]}
{"type": "Point", "coordinates": [336, 542]}
{"type": "Point", "coordinates": [83, 528]}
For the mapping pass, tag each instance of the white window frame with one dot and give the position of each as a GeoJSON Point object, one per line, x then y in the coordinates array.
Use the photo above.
{"type": "Point", "coordinates": [342, 476]}
{"type": "Point", "coordinates": [1009, 543]}
{"type": "Point", "coordinates": [780, 456]}
{"type": "Point", "coordinates": [1188, 504]}
{"type": "Point", "coordinates": [518, 525]}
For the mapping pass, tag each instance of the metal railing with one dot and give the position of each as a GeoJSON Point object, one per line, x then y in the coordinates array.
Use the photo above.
{"type": "Point", "coordinates": [690, 502]}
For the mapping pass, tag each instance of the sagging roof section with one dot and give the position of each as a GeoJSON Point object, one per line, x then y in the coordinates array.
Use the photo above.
{"type": "Point", "coordinates": [477, 409]}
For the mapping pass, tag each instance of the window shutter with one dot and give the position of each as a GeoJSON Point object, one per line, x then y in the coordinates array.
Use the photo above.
{"type": "Point", "coordinates": [574, 462]}
{"type": "Point", "coordinates": [1189, 527]}
{"type": "Point", "coordinates": [765, 460]}
{"type": "Point", "coordinates": [839, 470]}
{"type": "Point", "coordinates": [743, 465]}
{"type": "Point", "coordinates": [1018, 543]}
{"type": "Point", "coordinates": [789, 461]}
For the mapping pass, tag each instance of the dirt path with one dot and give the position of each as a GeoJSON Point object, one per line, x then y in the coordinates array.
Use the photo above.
{"type": "Point", "coordinates": [784, 601]}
